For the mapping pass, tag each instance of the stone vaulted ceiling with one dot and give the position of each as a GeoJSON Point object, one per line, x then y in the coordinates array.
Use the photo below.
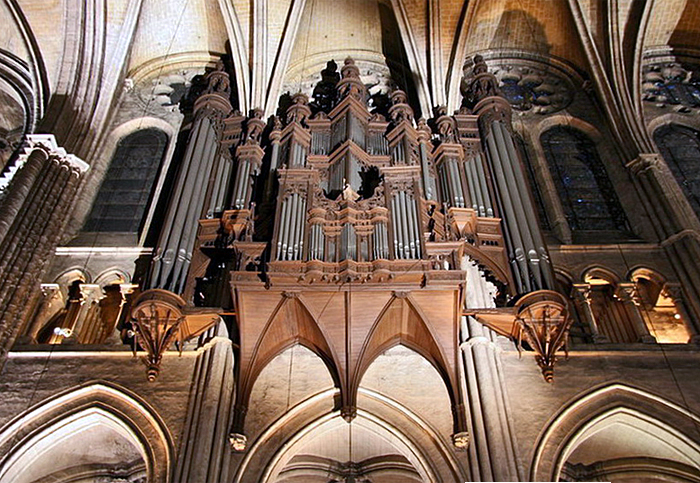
{"type": "Point", "coordinates": [116, 39]}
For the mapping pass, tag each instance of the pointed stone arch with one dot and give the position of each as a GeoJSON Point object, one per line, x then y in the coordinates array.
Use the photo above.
{"type": "Point", "coordinates": [303, 423]}
{"type": "Point", "coordinates": [588, 411]}
{"type": "Point", "coordinates": [104, 404]}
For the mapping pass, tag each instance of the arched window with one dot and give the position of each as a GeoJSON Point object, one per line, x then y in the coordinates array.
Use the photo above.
{"type": "Point", "coordinates": [126, 189]}
{"type": "Point", "coordinates": [585, 190]}
{"type": "Point", "coordinates": [680, 147]}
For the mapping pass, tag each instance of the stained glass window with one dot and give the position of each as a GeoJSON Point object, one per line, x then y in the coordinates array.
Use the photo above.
{"type": "Point", "coordinates": [585, 190]}
{"type": "Point", "coordinates": [126, 189]}
{"type": "Point", "coordinates": [680, 148]}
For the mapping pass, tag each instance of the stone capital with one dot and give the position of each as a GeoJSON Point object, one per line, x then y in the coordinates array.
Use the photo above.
{"type": "Point", "coordinates": [645, 162]}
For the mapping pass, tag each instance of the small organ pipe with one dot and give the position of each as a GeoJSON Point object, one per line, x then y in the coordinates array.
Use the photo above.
{"type": "Point", "coordinates": [293, 226]}
{"type": "Point", "coordinates": [446, 196]}
{"type": "Point", "coordinates": [411, 223]}
{"type": "Point", "coordinates": [413, 228]}
{"type": "Point", "coordinates": [394, 227]}
{"type": "Point", "coordinates": [404, 224]}
{"type": "Point", "coordinates": [302, 226]}
{"type": "Point", "coordinates": [477, 204]}
{"type": "Point", "coordinates": [228, 163]}
{"type": "Point", "coordinates": [284, 228]}
{"type": "Point", "coordinates": [454, 182]}
{"type": "Point", "coordinates": [481, 176]}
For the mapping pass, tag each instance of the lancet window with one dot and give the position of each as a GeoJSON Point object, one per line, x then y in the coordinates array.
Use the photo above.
{"type": "Point", "coordinates": [127, 187]}
{"type": "Point", "coordinates": [680, 148]}
{"type": "Point", "coordinates": [587, 196]}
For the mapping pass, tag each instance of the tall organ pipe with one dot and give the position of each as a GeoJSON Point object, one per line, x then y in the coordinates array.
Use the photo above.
{"type": "Point", "coordinates": [519, 262]}
{"type": "Point", "coordinates": [175, 245]}
{"type": "Point", "coordinates": [527, 237]}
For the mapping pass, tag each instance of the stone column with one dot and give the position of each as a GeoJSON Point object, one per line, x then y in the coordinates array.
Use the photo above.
{"type": "Point", "coordinates": [33, 208]}
{"type": "Point", "coordinates": [492, 449]}
{"type": "Point", "coordinates": [674, 221]}
{"type": "Point", "coordinates": [204, 454]}
{"type": "Point", "coordinates": [582, 299]}
{"type": "Point", "coordinates": [626, 292]}
{"type": "Point", "coordinates": [675, 292]}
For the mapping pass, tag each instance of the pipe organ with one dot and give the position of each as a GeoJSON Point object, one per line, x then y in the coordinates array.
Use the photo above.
{"type": "Point", "coordinates": [349, 198]}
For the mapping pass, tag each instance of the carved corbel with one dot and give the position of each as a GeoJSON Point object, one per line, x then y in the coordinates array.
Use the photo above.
{"type": "Point", "coordinates": [158, 319]}
{"type": "Point", "coordinates": [543, 321]}
{"type": "Point", "coordinates": [539, 318]}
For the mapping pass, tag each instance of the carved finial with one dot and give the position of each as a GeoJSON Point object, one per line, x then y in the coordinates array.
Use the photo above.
{"type": "Point", "coordinates": [446, 125]}
{"type": "Point", "coordinates": [400, 110]}
{"type": "Point", "coordinates": [324, 93]}
{"type": "Point", "coordinates": [299, 111]}
{"type": "Point", "coordinates": [351, 85]}
{"type": "Point", "coordinates": [477, 84]}
{"type": "Point", "coordinates": [218, 81]}
{"type": "Point", "coordinates": [350, 69]}
{"type": "Point", "coordinates": [255, 126]}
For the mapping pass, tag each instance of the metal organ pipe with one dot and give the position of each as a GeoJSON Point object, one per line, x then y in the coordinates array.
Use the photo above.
{"type": "Point", "coordinates": [529, 211]}
{"type": "Point", "coordinates": [214, 205]}
{"type": "Point", "coordinates": [300, 232]}
{"type": "Point", "coordinates": [395, 227]}
{"type": "Point", "coordinates": [293, 226]}
{"type": "Point", "coordinates": [477, 202]}
{"type": "Point", "coordinates": [519, 262]}
{"type": "Point", "coordinates": [428, 187]}
{"type": "Point", "coordinates": [245, 184]}
{"type": "Point", "coordinates": [529, 244]}
{"type": "Point", "coordinates": [385, 241]}
{"type": "Point", "coordinates": [481, 176]}
{"type": "Point", "coordinates": [414, 224]}
{"type": "Point", "coordinates": [182, 253]}
{"type": "Point", "coordinates": [284, 228]}
{"type": "Point", "coordinates": [446, 196]}
{"type": "Point", "coordinates": [456, 185]}
{"type": "Point", "coordinates": [404, 224]}
{"type": "Point", "coordinates": [173, 222]}
{"type": "Point", "coordinates": [410, 215]}
{"type": "Point", "coordinates": [293, 201]}
{"type": "Point", "coordinates": [226, 183]}
{"type": "Point", "coordinates": [237, 186]}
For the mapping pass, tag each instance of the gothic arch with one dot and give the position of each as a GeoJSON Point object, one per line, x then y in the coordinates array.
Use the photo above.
{"type": "Point", "coordinates": [679, 147]}
{"type": "Point", "coordinates": [581, 181]}
{"type": "Point", "coordinates": [112, 276]}
{"type": "Point", "coordinates": [606, 405]}
{"type": "Point", "coordinates": [429, 454]}
{"type": "Point", "coordinates": [416, 335]}
{"type": "Point", "coordinates": [541, 171]}
{"type": "Point", "coordinates": [28, 78]}
{"type": "Point", "coordinates": [603, 273]}
{"type": "Point", "coordinates": [110, 149]}
{"type": "Point", "coordinates": [108, 405]}
{"type": "Point", "coordinates": [70, 275]}
{"type": "Point", "coordinates": [672, 118]}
